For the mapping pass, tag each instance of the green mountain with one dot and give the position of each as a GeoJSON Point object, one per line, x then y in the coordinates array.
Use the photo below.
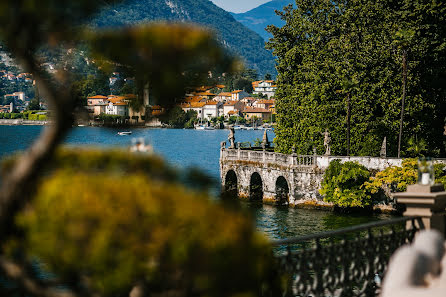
{"type": "Point", "coordinates": [258, 18]}
{"type": "Point", "coordinates": [236, 37]}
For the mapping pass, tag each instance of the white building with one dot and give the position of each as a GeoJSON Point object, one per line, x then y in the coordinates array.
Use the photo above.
{"type": "Point", "coordinates": [210, 109]}
{"type": "Point", "coordinates": [265, 87]}
{"type": "Point", "coordinates": [239, 95]}
{"type": "Point", "coordinates": [120, 109]}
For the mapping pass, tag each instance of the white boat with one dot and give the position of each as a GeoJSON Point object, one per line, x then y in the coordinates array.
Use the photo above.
{"type": "Point", "coordinates": [201, 127]}
{"type": "Point", "coordinates": [125, 133]}
{"type": "Point", "coordinates": [209, 128]}
{"type": "Point", "coordinates": [236, 127]}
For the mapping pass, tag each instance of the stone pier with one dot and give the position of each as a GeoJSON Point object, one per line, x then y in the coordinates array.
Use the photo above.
{"type": "Point", "coordinates": [286, 179]}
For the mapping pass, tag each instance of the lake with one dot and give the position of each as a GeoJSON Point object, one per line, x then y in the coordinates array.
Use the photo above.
{"type": "Point", "coordinates": [195, 148]}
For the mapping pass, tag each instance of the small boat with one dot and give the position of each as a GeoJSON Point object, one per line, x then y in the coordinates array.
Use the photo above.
{"type": "Point", "coordinates": [125, 133]}
{"type": "Point", "coordinates": [201, 127]}
{"type": "Point", "coordinates": [81, 125]}
{"type": "Point", "coordinates": [209, 128]}
{"type": "Point", "coordinates": [236, 127]}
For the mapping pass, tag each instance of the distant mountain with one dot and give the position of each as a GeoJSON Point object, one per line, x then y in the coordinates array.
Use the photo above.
{"type": "Point", "coordinates": [258, 18]}
{"type": "Point", "coordinates": [241, 40]}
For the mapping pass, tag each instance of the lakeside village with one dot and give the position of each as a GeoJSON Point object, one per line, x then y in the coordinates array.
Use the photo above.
{"type": "Point", "coordinates": [205, 107]}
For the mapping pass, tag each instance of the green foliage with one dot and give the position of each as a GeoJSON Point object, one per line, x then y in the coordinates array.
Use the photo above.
{"type": "Point", "coordinates": [177, 118]}
{"type": "Point", "coordinates": [397, 178]}
{"type": "Point", "coordinates": [343, 184]}
{"type": "Point", "coordinates": [236, 119]}
{"type": "Point", "coordinates": [135, 223]}
{"type": "Point", "coordinates": [244, 42]}
{"type": "Point", "coordinates": [317, 53]}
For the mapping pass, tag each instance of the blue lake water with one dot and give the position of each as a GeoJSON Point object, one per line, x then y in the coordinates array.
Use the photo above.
{"type": "Point", "coordinates": [197, 148]}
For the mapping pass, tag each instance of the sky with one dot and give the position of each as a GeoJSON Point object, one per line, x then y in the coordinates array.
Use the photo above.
{"type": "Point", "coordinates": [239, 5]}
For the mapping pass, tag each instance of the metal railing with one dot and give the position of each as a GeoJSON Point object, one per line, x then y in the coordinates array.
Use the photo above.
{"type": "Point", "coordinates": [344, 262]}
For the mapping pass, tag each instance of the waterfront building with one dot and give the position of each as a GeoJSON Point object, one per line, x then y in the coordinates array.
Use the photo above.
{"type": "Point", "coordinates": [260, 113]}
{"type": "Point", "coordinates": [117, 105]}
{"type": "Point", "coordinates": [265, 103]}
{"type": "Point", "coordinates": [210, 109]}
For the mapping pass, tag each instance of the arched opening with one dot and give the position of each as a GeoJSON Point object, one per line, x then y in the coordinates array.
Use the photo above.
{"type": "Point", "coordinates": [256, 187]}
{"type": "Point", "coordinates": [282, 191]}
{"type": "Point", "coordinates": [230, 189]}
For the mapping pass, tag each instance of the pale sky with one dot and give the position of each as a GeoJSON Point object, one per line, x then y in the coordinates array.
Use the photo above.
{"type": "Point", "coordinates": [238, 5]}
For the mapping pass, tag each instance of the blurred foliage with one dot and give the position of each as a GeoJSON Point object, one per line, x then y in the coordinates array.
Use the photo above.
{"type": "Point", "coordinates": [112, 219]}
{"type": "Point", "coordinates": [343, 184]}
{"type": "Point", "coordinates": [170, 57]}
{"type": "Point", "coordinates": [397, 178]}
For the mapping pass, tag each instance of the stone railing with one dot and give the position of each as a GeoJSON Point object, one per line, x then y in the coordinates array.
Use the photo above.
{"type": "Point", "coordinates": [268, 157]}
{"type": "Point", "coordinates": [321, 162]}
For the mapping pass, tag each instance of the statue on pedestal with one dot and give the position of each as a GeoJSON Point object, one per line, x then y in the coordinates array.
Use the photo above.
{"type": "Point", "coordinates": [231, 138]}
{"type": "Point", "coordinates": [327, 142]}
{"type": "Point", "coordinates": [383, 152]}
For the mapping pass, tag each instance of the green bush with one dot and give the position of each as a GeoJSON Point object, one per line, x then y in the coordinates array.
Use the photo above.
{"type": "Point", "coordinates": [16, 116]}
{"type": "Point", "coordinates": [7, 115]}
{"type": "Point", "coordinates": [120, 219]}
{"type": "Point", "coordinates": [397, 178]}
{"type": "Point", "coordinates": [42, 117]}
{"type": "Point", "coordinates": [1, 115]}
{"type": "Point", "coordinates": [343, 184]}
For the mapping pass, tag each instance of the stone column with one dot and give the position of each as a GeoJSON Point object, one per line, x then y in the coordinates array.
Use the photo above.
{"type": "Point", "coordinates": [426, 201]}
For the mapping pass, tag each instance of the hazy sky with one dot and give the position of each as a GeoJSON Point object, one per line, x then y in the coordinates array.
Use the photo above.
{"type": "Point", "coordinates": [238, 5]}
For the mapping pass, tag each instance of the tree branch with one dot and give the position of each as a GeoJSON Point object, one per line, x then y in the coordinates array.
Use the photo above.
{"type": "Point", "coordinates": [19, 184]}
{"type": "Point", "coordinates": [17, 273]}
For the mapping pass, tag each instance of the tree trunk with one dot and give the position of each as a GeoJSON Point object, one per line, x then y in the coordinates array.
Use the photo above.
{"type": "Point", "coordinates": [403, 99]}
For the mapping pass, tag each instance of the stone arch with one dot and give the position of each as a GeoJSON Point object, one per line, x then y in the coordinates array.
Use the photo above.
{"type": "Point", "coordinates": [256, 187]}
{"type": "Point", "coordinates": [231, 184]}
{"type": "Point", "coordinates": [282, 190]}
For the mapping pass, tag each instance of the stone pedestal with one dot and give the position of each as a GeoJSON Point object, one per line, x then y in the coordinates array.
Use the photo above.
{"type": "Point", "coordinates": [426, 201]}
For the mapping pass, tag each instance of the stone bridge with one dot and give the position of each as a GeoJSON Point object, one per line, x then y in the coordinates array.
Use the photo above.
{"type": "Point", "coordinates": [284, 179]}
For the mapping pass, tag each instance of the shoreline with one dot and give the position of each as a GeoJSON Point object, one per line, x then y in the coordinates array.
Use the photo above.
{"type": "Point", "coordinates": [22, 122]}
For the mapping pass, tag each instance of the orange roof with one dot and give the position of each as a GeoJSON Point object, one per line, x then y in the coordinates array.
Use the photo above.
{"type": "Point", "coordinates": [97, 97]}
{"type": "Point", "coordinates": [130, 96]}
{"type": "Point", "coordinates": [120, 103]}
{"type": "Point", "coordinates": [220, 86]}
{"type": "Point", "coordinates": [116, 99]}
{"type": "Point", "coordinates": [233, 112]}
{"type": "Point", "coordinates": [193, 99]}
{"type": "Point", "coordinates": [236, 91]}
{"type": "Point", "coordinates": [184, 105]}
{"type": "Point", "coordinates": [156, 107]}
{"type": "Point", "coordinates": [256, 110]}
{"type": "Point", "coordinates": [230, 103]}
{"type": "Point", "coordinates": [205, 94]}
{"type": "Point", "coordinates": [211, 103]}
{"type": "Point", "coordinates": [197, 104]}
{"type": "Point", "coordinates": [226, 94]}
{"type": "Point", "coordinates": [157, 112]}
{"type": "Point", "coordinates": [265, 101]}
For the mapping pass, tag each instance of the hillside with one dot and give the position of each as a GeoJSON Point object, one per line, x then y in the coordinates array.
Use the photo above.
{"type": "Point", "coordinates": [233, 34]}
{"type": "Point", "coordinates": [258, 18]}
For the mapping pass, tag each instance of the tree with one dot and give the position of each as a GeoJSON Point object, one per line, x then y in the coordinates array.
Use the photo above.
{"type": "Point", "coordinates": [110, 260]}
{"type": "Point", "coordinates": [317, 52]}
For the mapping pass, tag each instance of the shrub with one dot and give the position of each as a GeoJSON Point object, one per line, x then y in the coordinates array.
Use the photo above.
{"type": "Point", "coordinates": [7, 115]}
{"type": "Point", "coordinates": [16, 116]}
{"type": "Point", "coordinates": [343, 184]}
{"type": "Point", "coordinates": [397, 178]}
{"type": "Point", "coordinates": [1, 115]}
{"type": "Point", "coordinates": [106, 216]}
{"type": "Point", "coordinates": [42, 117]}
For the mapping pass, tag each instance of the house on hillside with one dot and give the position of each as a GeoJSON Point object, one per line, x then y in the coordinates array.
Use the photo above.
{"type": "Point", "coordinates": [96, 104]}
{"type": "Point", "coordinates": [265, 87]}
{"type": "Point", "coordinates": [223, 97]}
{"type": "Point", "coordinates": [239, 95]}
{"type": "Point", "coordinates": [249, 101]}
{"type": "Point", "coordinates": [232, 106]}
{"type": "Point", "coordinates": [205, 95]}
{"type": "Point", "coordinates": [264, 103]}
